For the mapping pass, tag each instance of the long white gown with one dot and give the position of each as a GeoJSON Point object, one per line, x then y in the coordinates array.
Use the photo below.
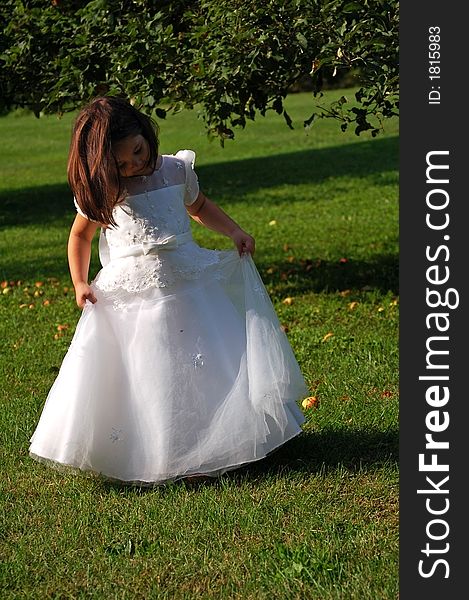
{"type": "Point", "coordinates": [181, 367]}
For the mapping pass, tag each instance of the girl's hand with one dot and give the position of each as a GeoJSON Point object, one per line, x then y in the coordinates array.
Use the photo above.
{"type": "Point", "coordinates": [83, 292]}
{"type": "Point", "coordinates": [243, 241]}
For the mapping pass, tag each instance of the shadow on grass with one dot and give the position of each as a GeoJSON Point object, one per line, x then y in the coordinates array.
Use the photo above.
{"type": "Point", "coordinates": [359, 159]}
{"type": "Point", "coordinates": [41, 266]}
{"type": "Point", "coordinates": [36, 206]}
{"type": "Point", "coordinates": [41, 205]}
{"type": "Point", "coordinates": [318, 451]}
{"type": "Point", "coordinates": [380, 273]}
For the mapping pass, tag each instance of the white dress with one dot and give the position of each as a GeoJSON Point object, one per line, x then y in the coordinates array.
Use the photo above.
{"type": "Point", "coordinates": [181, 367]}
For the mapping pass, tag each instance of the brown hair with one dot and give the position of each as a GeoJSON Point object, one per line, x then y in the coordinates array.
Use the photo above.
{"type": "Point", "coordinates": [92, 169]}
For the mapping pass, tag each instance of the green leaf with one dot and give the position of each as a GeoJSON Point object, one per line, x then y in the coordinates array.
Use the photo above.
{"type": "Point", "coordinates": [302, 40]}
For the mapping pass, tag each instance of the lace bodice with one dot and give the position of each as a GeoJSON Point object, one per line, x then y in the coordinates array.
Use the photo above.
{"type": "Point", "coordinates": [135, 254]}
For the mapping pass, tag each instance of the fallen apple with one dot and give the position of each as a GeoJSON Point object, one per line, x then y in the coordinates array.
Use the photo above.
{"type": "Point", "coordinates": [311, 402]}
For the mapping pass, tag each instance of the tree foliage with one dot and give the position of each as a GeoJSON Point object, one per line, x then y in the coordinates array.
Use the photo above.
{"type": "Point", "coordinates": [234, 60]}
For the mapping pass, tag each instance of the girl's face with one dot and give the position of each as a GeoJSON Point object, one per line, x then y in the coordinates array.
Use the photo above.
{"type": "Point", "coordinates": [132, 154]}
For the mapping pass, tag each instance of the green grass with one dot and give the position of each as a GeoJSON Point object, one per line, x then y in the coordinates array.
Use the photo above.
{"type": "Point", "coordinates": [316, 520]}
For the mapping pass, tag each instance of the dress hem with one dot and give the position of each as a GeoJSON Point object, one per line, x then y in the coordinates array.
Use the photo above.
{"type": "Point", "coordinates": [69, 468]}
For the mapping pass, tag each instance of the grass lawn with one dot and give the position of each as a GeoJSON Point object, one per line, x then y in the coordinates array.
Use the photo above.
{"type": "Point", "coordinates": [316, 520]}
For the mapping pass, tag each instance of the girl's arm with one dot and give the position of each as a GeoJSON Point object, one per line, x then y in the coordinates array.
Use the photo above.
{"type": "Point", "coordinates": [207, 213]}
{"type": "Point", "coordinates": [79, 254]}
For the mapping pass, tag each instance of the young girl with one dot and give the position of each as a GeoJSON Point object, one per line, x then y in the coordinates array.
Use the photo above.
{"type": "Point", "coordinates": [178, 366]}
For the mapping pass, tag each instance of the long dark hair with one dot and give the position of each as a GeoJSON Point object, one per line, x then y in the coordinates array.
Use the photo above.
{"type": "Point", "coordinates": [92, 169]}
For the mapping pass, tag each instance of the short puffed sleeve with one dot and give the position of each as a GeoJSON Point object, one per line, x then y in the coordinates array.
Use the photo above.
{"type": "Point", "coordinates": [80, 212]}
{"type": "Point", "coordinates": [192, 183]}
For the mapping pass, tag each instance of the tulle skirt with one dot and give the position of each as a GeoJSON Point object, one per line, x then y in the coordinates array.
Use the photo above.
{"type": "Point", "coordinates": [196, 378]}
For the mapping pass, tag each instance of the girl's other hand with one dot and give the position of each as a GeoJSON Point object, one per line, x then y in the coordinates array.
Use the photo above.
{"type": "Point", "coordinates": [243, 241]}
{"type": "Point", "coordinates": [83, 292]}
